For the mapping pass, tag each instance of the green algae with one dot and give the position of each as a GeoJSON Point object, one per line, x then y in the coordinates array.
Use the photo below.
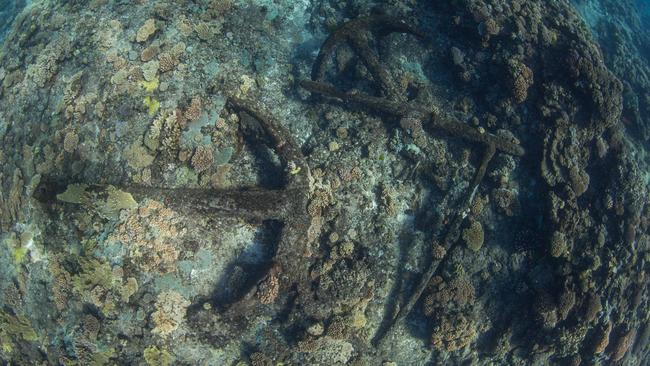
{"type": "Point", "coordinates": [106, 202]}
{"type": "Point", "coordinates": [102, 358]}
{"type": "Point", "coordinates": [93, 273]}
{"type": "Point", "coordinates": [75, 193]}
{"type": "Point", "coordinates": [155, 356]}
{"type": "Point", "coordinates": [116, 201]}
{"type": "Point", "coordinates": [16, 328]}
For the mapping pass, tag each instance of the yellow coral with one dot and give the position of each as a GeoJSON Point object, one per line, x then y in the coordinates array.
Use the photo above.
{"type": "Point", "coordinates": [19, 248]}
{"type": "Point", "coordinates": [247, 83]}
{"type": "Point", "coordinates": [152, 105]}
{"type": "Point", "coordinates": [19, 255]}
{"type": "Point", "coordinates": [295, 170]}
{"type": "Point", "coordinates": [150, 86]}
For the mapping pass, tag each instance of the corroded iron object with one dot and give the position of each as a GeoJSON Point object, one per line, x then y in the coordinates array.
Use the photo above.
{"type": "Point", "coordinates": [287, 205]}
{"type": "Point", "coordinates": [356, 34]}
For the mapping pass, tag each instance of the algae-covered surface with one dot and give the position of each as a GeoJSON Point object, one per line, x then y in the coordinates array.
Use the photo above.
{"type": "Point", "coordinates": [320, 182]}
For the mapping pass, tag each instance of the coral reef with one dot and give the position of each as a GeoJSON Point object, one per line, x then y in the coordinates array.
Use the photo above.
{"type": "Point", "coordinates": [170, 311]}
{"type": "Point", "coordinates": [474, 236]}
{"type": "Point", "coordinates": [324, 182]}
{"type": "Point", "coordinates": [146, 31]}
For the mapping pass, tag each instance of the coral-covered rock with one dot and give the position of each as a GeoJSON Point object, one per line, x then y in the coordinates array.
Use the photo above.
{"type": "Point", "coordinates": [170, 312]}
{"type": "Point", "coordinates": [202, 158]}
{"type": "Point", "coordinates": [453, 333]}
{"type": "Point", "coordinates": [521, 78]}
{"type": "Point", "coordinates": [623, 344]}
{"type": "Point", "coordinates": [474, 236]}
{"type": "Point", "coordinates": [146, 31]}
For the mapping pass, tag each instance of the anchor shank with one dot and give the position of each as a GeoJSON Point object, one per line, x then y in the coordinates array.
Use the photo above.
{"type": "Point", "coordinates": [252, 204]}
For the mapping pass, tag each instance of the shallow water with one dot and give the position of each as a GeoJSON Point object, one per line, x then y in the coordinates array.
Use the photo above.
{"type": "Point", "coordinates": [253, 182]}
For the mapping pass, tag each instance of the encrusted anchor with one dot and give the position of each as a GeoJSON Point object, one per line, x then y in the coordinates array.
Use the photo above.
{"type": "Point", "coordinates": [287, 205]}
{"type": "Point", "coordinates": [356, 34]}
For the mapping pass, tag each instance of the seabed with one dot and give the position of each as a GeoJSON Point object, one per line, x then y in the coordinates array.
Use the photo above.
{"type": "Point", "coordinates": [320, 182]}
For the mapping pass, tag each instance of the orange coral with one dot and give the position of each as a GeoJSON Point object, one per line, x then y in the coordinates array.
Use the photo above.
{"type": "Point", "coordinates": [269, 289]}
{"type": "Point", "coordinates": [202, 159]}
{"type": "Point", "coordinates": [453, 333]}
{"type": "Point", "coordinates": [148, 234]}
{"type": "Point", "coordinates": [623, 344]}
{"type": "Point", "coordinates": [193, 112]}
{"type": "Point", "coordinates": [167, 62]}
{"type": "Point", "coordinates": [170, 312]}
{"type": "Point", "coordinates": [149, 53]}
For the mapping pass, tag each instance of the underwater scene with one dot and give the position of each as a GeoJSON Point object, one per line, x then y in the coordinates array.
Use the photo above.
{"type": "Point", "coordinates": [325, 182]}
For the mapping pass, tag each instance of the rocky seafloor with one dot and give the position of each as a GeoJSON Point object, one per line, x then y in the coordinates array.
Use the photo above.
{"type": "Point", "coordinates": [302, 182]}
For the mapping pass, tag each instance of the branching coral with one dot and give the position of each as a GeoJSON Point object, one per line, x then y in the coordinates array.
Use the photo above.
{"type": "Point", "coordinates": [164, 133]}
{"type": "Point", "coordinates": [453, 333]}
{"type": "Point", "coordinates": [195, 109]}
{"type": "Point", "coordinates": [70, 141]}
{"type": "Point", "coordinates": [167, 62]}
{"type": "Point", "coordinates": [269, 288]}
{"type": "Point", "coordinates": [93, 273]}
{"type": "Point", "coordinates": [457, 293]}
{"type": "Point", "coordinates": [521, 79]}
{"type": "Point", "coordinates": [11, 204]}
{"type": "Point", "coordinates": [47, 62]}
{"type": "Point", "coordinates": [148, 233]}
{"type": "Point", "coordinates": [202, 159]}
{"type": "Point", "coordinates": [101, 285]}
